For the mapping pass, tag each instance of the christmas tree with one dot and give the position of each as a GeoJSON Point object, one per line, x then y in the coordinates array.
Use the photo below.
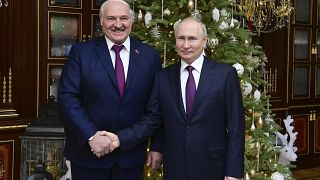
{"type": "Point", "coordinates": [229, 42]}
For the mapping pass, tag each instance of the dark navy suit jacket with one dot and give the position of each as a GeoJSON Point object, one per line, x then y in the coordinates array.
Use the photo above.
{"type": "Point", "coordinates": [210, 143]}
{"type": "Point", "coordinates": [89, 100]}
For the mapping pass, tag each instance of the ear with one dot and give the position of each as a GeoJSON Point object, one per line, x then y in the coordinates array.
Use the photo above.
{"type": "Point", "coordinates": [205, 40]}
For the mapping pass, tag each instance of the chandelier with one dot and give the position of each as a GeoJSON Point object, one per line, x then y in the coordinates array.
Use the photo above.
{"type": "Point", "coordinates": [265, 16]}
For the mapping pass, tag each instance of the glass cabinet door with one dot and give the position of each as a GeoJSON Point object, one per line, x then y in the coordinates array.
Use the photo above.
{"type": "Point", "coordinates": [301, 58]}
{"type": "Point", "coordinates": [301, 81]}
{"type": "Point", "coordinates": [97, 3]}
{"type": "Point", "coordinates": [301, 44]}
{"type": "Point", "coordinates": [64, 31]}
{"type": "Point", "coordinates": [302, 10]}
{"type": "Point", "coordinates": [54, 74]}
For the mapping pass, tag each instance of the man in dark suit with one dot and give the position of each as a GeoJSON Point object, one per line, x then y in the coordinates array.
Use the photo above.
{"type": "Point", "coordinates": [203, 132]}
{"type": "Point", "coordinates": [105, 85]}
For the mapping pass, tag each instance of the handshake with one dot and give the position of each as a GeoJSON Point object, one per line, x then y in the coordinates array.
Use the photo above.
{"type": "Point", "coordinates": [103, 142]}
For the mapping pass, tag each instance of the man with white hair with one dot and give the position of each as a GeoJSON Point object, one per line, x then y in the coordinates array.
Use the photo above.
{"type": "Point", "coordinates": [105, 86]}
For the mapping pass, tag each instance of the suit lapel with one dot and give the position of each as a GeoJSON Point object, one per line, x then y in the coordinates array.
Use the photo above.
{"type": "Point", "coordinates": [133, 62]}
{"type": "Point", "coordinates": [105, 58]}
{"type": "Point", "coordinates": [206, 79]}
{"type": "Point", "coordinates": [176, 88]}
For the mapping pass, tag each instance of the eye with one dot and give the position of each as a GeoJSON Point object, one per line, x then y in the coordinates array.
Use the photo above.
{"type": "Point", "coordinates": [124, 18]}
{"type": "Point", "coordinates": [110, 18]}
{"type": "Point", "coordinates": [180, 38]}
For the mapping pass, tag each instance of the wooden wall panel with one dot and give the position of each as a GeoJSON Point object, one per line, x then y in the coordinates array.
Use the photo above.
{"type": "Point", "coordinates": [301, 125]}
{"type": "Point", "coordinates": [275, 45]}
{"type": "Point", "coordinates": [18, 69]}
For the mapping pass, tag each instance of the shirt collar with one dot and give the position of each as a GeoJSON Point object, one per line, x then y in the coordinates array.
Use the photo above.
{"type": "Point", "coordinates": [197, 64]}
{"type": "Point", "coordinates": [126, 43]}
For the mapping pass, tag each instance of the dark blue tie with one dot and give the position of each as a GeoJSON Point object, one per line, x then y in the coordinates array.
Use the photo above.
{"type": "Point", "coordinates": [119, 69]}
{"type": "Point", "coordinates": [190, 90]}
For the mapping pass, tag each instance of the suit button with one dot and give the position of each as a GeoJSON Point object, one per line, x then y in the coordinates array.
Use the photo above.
{"type": "Point", "coordinates": [188, 126]}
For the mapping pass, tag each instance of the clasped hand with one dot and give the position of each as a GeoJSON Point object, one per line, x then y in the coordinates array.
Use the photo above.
{"type": "Point", "coordinates": [103, 142]}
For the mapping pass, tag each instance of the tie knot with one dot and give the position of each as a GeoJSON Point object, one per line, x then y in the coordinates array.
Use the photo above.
{"type": "Point", "coordinates": [117, 48]}
{"type": "Point", "coordinates": [189, 68]}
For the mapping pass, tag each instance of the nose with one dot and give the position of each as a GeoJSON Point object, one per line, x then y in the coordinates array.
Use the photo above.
{"type": "Point", "coordinates": [186, 44]}
{"type": "Point", "coordinates": [118, 23]}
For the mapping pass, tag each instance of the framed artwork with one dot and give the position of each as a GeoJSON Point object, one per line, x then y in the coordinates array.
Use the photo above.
{"type": "Point", "coordinates": [65, 3]}
{"type": "Point", "coordinates": [64, 31]}
{"type": "Point", "coordinates": [6, 159]}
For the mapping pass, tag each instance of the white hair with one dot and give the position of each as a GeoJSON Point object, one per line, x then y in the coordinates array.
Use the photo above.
{"type": "Point", "coordinates": [203, 26]}
{"type": "Point", "coordinates": [106, 2]}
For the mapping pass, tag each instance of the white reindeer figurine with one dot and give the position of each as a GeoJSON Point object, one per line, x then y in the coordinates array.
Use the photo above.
{"type": "Point", "coordinates": [67, 176]}
{"type": "Point", "coordinates": [287, 152]}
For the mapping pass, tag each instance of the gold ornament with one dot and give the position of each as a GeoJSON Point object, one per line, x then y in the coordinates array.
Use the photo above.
{"type": "Point", "coordinates": [257, 114]}
{"type": "Point", "coordinates": [260, 122]}
{"type": "Point", "coordinates": [140, 17]}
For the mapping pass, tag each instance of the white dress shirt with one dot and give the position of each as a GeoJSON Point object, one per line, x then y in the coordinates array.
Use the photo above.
{"type": "Point", "coordinates": [124, 54]}
{"type": "Point", "coordinates": [197, 65]}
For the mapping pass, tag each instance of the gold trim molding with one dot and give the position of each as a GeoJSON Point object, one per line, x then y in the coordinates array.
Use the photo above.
{"type": "Point", "coordinates": [13, 127]}
{"type": "Point", "coordinates": [7, 87]}
{"type": "Point", "coordinates": [8, 113]}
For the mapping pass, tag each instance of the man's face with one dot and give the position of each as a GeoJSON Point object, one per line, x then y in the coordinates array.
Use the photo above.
{"type": "Point", "coordinates": [116, 21]}
{"type": "Point", "coordinates": [190, 40]}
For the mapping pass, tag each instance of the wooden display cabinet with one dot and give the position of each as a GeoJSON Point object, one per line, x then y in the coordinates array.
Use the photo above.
{"type": "Point", "coordinates": [304, 81]}
{"type": "Point", "coordinates": [63, 23]}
